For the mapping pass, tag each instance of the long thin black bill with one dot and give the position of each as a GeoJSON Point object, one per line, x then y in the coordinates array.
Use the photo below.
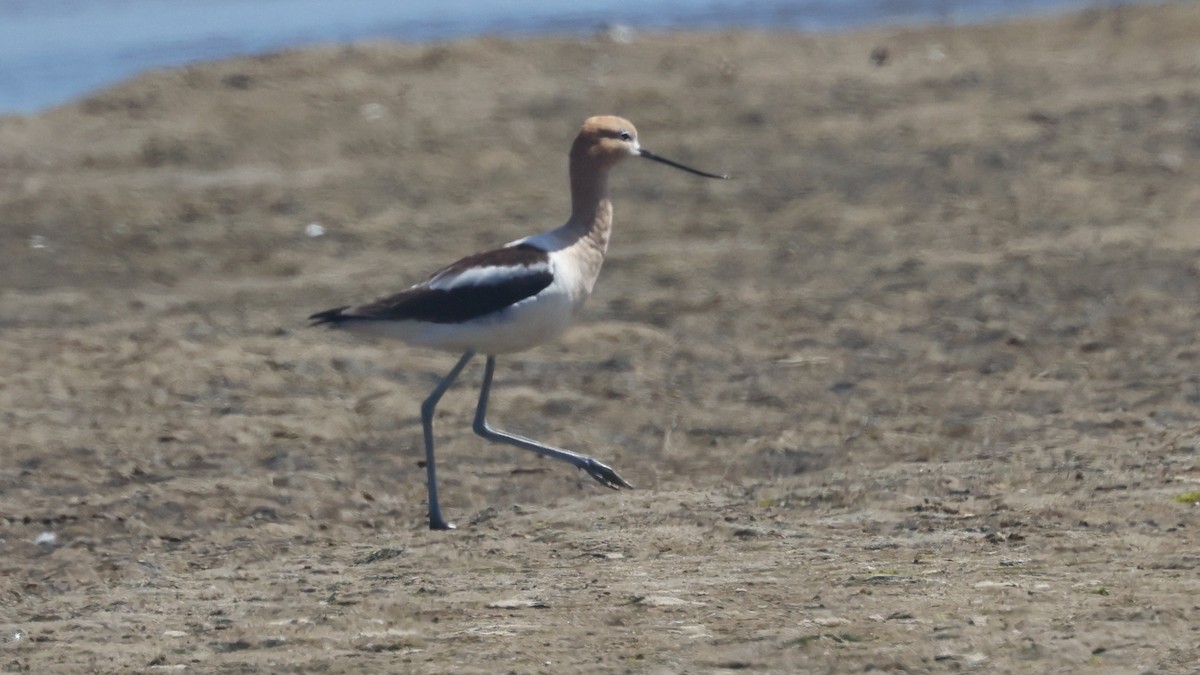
{"type": "Point", "coordinates": [650, 155]}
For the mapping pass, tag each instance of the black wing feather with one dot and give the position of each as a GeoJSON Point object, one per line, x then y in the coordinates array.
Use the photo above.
{"type": "Point", "coordinates": [458, 304]}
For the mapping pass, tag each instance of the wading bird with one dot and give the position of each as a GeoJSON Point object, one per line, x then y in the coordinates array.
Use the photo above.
{"type": "Point", "coordinates": [512, 298]}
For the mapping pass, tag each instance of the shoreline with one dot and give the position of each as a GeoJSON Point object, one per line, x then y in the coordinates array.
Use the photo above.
{"type": "Point", "coordinates": [29, 78]}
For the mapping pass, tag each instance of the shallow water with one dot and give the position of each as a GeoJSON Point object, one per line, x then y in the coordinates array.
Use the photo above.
{"type": "Point", "coordinates": [52, 51]}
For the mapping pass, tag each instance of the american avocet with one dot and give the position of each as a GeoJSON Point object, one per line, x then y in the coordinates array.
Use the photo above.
{"type": "Point", "coordinates": [512, 298]}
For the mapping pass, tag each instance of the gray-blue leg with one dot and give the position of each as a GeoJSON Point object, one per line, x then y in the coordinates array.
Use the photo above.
{"type": "Point", "coordinates": [603, 474]}
{"type": "Point", "coordinates": [436, 521]}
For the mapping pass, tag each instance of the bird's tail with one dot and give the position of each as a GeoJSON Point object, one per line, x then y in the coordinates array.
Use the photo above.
{"type": "Point", "coordinates": [332, 317]}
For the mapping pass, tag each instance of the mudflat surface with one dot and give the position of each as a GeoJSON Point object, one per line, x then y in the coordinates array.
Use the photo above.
{"type": "Point", "coordinates": [919, 391]}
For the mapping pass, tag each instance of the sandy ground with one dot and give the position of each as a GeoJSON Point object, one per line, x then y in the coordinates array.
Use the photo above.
{"type": "Point", "coordinates": [919, 391]}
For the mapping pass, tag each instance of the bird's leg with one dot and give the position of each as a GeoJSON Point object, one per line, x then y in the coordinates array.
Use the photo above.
{"type": "Point", "coordinates": [604, 474]}
{"type": "Point", "coordinates": [436, 521]}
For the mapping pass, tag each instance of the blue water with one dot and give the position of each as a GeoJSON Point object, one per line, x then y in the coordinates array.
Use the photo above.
{"type": "Point", "coordinates": [52, 51]}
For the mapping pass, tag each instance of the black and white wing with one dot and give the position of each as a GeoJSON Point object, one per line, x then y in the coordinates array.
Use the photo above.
{"type": "Point", "coordinates": [471, 288]}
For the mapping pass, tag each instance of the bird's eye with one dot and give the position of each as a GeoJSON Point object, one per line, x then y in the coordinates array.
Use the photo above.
{"type": "Point", "coordinates": [626, 136]}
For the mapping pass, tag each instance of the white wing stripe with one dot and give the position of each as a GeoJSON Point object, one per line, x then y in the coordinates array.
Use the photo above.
{"type": "Point", "coordinates": [491, 275]}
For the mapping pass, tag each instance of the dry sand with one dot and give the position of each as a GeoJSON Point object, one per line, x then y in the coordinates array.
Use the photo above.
{"type": "Point", "coordinates": [918, 392]}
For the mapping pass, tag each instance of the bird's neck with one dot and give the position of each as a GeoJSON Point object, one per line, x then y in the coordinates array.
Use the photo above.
{"type": "Point", "coordinates": [591, 209]}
